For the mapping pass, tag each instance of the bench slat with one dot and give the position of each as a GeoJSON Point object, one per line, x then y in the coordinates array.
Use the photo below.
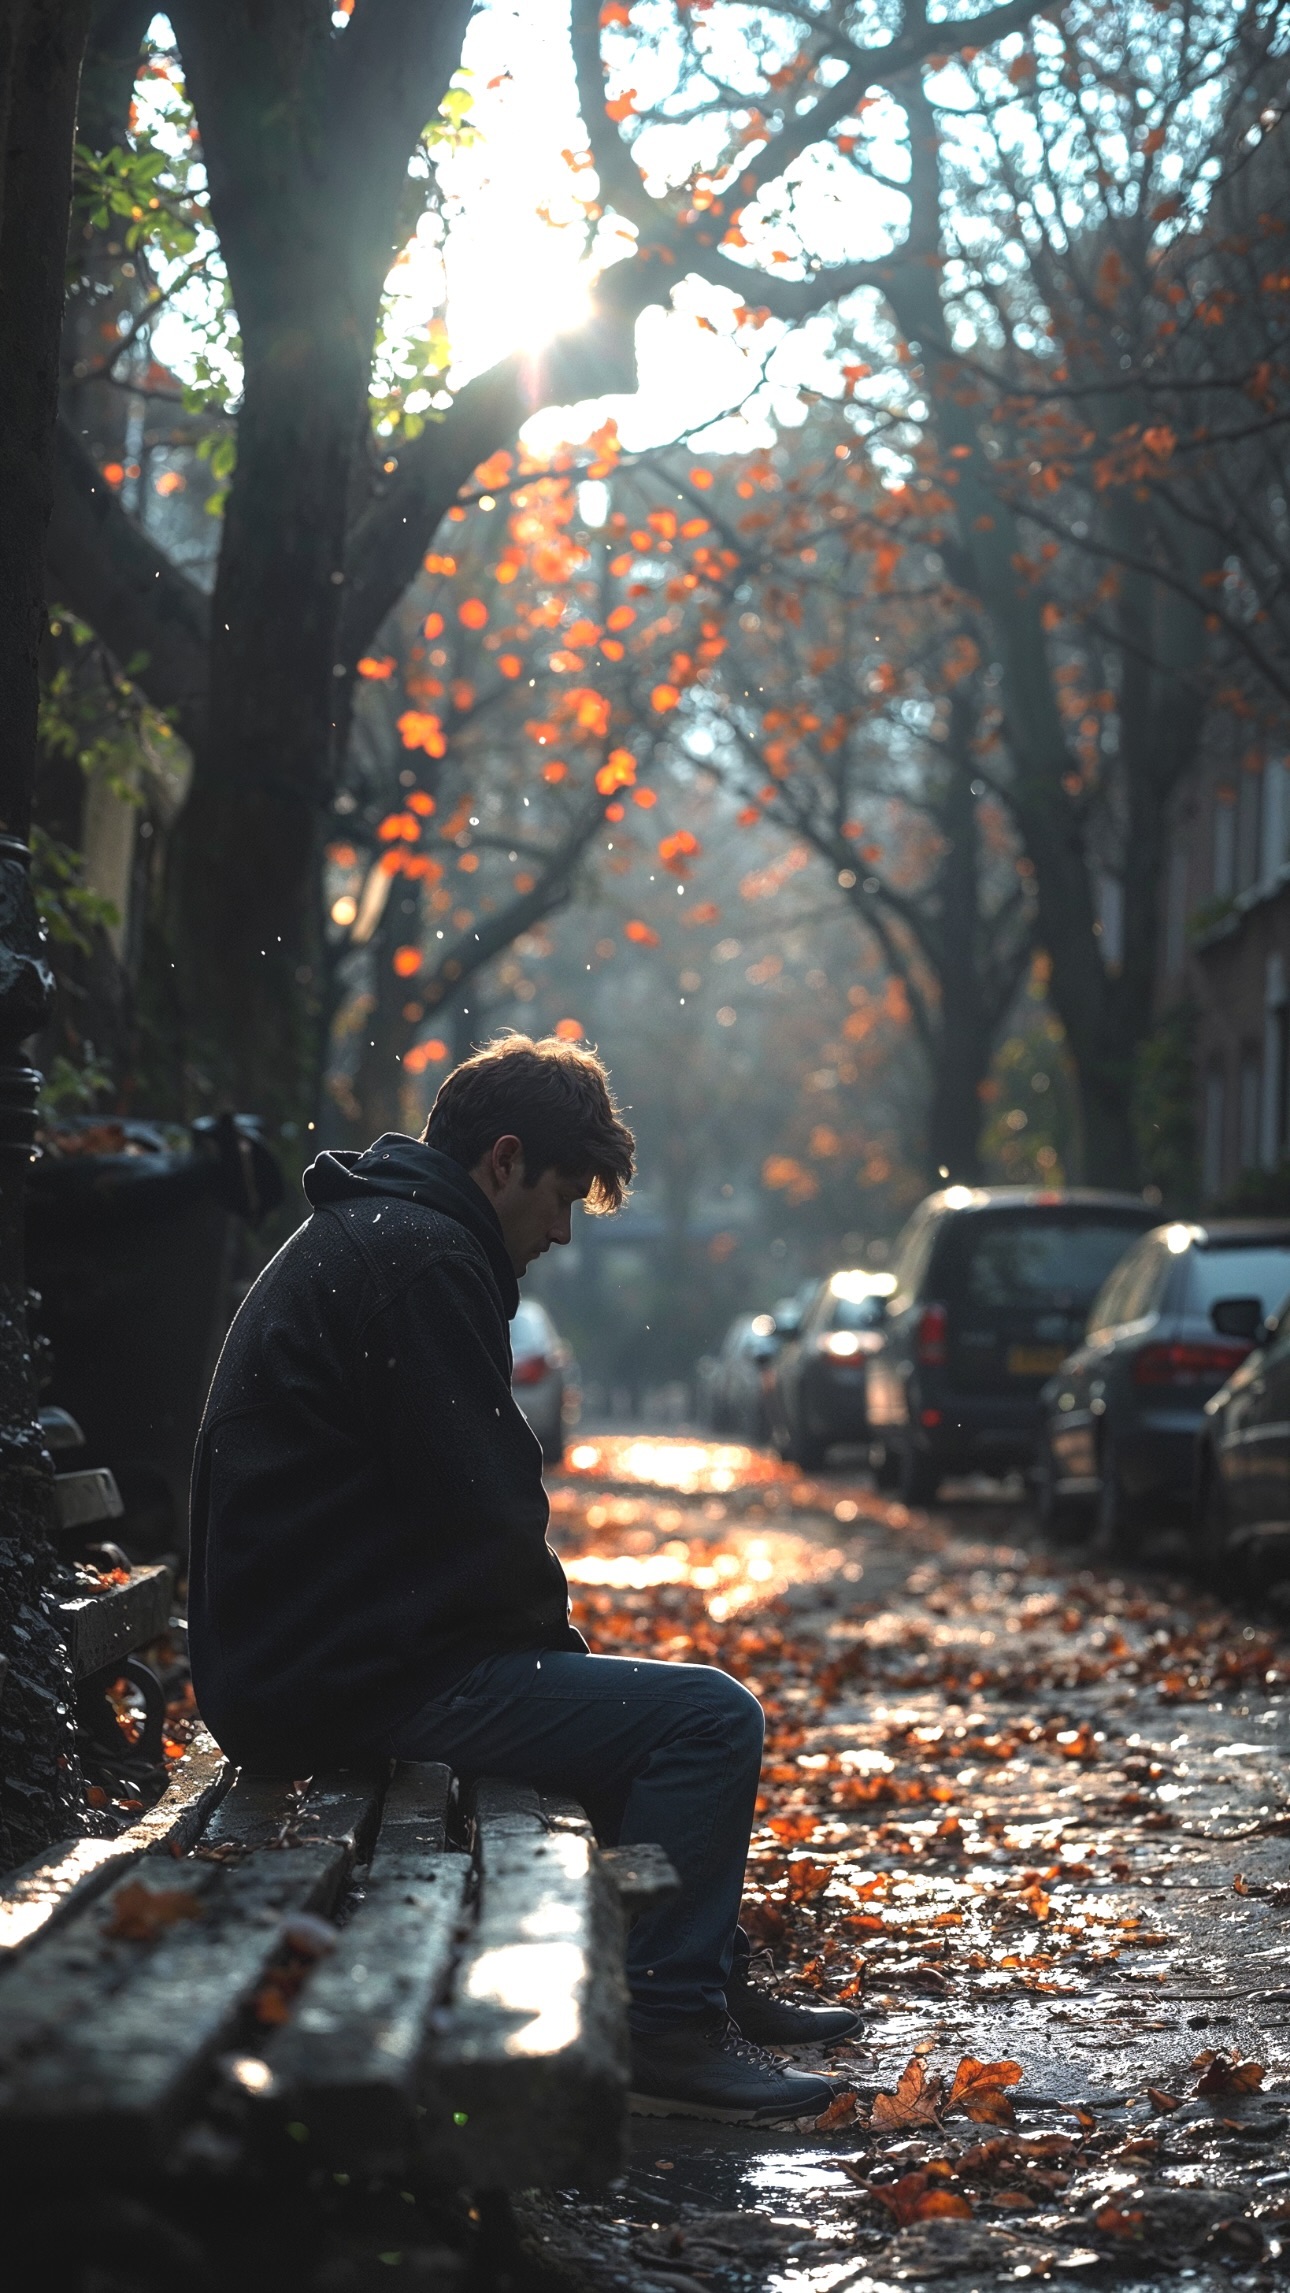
{"type": "Point", "coordinates": [527, 2065]}
{"type": "Point", "coordinates": [347, 2066]}
{"type": "Point", "coordinates": [105, 2040]}
{"type": "Point", "coordinates": [102, 1628]}
{"type": "Point", "coordinates": [414, 1816]}
{"type": "Point", "coordinates": [271, 1811]}
{"type": "Point", "coordinates": [69, 1875]}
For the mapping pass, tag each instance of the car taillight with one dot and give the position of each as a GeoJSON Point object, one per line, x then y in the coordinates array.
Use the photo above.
{"type": "Point", "coordinates": [531, 1370]}
{"type": "Point", "coordinates": [1187, 1365]}
{"type": "Point", "coordinates": [931, 1340]}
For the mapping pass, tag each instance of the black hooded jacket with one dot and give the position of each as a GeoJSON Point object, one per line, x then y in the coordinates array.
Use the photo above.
{"type": "Point", "coordinates": [368, 1515]}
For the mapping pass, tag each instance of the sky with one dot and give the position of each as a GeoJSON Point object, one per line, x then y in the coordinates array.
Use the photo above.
{"type": "Point", "coordinates": [515, 279]}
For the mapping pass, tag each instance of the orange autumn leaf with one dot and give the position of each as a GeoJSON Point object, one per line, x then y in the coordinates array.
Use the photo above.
{"type": "Point", "coordinates": [1113, 2222]}
{"type": "Point", "coordinates": [1226, 2075]}
{"type": "Point", "coordinates": [618, 771]}
{"type": "Point", "coordinates": [621, 107]}
{"type": "Point", "coordinates": [140, 1914]}
{"type": "Point", "coordinates": [674, 851]}
{"type": "Point", "coordinates": [370, 666]}
{"type": "Point", "coordinates": [796, 1828]}
{"type": "Point", "coordinates": [840, 2112]}
{"type": "Point", "coordinates": [568, 1031]}
{"type": "Point", "coordinates": [419, 801]}
{"type": "Point", "coordinates": [472, 613]}
{"type": "Point", "coordinates": [914, 2102]}
{"type": "Point", "coordinates": [418, 729]}
{"type": "Point", "coordinates": [978, 2090]}
{"type": "Point", "coordinates": [663, 698]}
{"type": "Point", "coordinates": [1161, 2102]}
{"type": "Point", "coordinates": [915, 2197]}
{"type": "Point", "coordinates": [510, 664]}
{"type": "Point", "coordinates": [432, 626]}
{"type": "Point", "coordinates": [407, 961]}
{"type": "Point", "coordinates": [640, 933]}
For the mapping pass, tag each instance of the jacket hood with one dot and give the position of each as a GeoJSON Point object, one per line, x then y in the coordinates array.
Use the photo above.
{"type": "Point", "coordinates": [414, 1172]}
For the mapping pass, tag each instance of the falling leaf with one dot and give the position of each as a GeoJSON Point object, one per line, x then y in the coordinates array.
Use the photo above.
{"type": "Point", "coordinates": [914, 2102]}
{"type": "Point", "coordinates": [140, 1914]}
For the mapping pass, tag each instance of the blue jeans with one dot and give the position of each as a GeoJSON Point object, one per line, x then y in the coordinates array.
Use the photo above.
{"type": "Point", "coordinates": [665, 1752]}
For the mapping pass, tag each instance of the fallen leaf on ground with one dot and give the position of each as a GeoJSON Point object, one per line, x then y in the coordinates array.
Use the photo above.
{"type": "Point", "coordinates": [1228, 2076]}
{"type": "Point", "coordinates": [1161, 2102]}
{"type": "Point", "coordinates": [914, 2102]}
{"type": "Point", "coordinates": [978, 2090]}
{"type": "Point", "coordinates": [840, 2112]}
{"type": "Point", "coordinates": [140, 1914]}
{"type": "Point", "coordinates": [1114, 2223]}
{"type": "Point", "coordinates": [915, 2198]}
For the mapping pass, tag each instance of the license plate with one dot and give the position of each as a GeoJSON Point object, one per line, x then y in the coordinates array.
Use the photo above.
{"type": "Point", "coordinates": [1035, 1361]}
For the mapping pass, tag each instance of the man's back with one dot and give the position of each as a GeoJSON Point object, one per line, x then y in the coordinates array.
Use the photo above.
{"type": "Point", "coordinates": [368, 1510]}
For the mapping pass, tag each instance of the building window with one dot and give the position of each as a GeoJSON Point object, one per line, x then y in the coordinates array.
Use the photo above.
{"type": "Point", "coordinates": [1249, 1108]}
{"type": "Point", "coordinates": [1224, 841]}
{"type": "Point", "coordinates": [1215, 1122]}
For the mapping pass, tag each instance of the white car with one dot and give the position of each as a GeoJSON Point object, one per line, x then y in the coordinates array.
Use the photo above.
{"type": "Point", "coordinates": [543, 1378]}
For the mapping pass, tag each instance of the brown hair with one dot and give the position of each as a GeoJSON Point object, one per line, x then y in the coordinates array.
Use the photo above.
{"type": "Point", "coordinates": [554, 1097]}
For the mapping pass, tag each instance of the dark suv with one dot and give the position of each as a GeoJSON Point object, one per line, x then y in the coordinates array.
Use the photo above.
{"type": "Point", "coordinates": [992, 1290]}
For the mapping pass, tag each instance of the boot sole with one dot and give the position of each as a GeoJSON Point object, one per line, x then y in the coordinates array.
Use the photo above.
{"type": "Point", "coordinates": [658, 2106]}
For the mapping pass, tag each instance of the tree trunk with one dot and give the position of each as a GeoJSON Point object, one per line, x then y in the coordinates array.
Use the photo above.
{"type": "Point", "coordinates": [968, 1023]}
{"type": "Point", "coordinates": [307, 137]}
{"type": "Point", "coordinates": [40, 52]}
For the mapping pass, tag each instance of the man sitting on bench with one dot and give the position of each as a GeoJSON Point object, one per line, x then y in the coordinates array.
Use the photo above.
{"type": "Point", "coordinates": [370, 1572]}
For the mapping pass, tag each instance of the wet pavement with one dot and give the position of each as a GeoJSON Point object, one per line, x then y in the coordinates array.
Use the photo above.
{"type": "Point", "coordinates": [1032, 1814]}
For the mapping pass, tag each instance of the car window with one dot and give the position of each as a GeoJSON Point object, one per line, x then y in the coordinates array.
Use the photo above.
{"type": "Point", "coordinates": [853, 1313]}
{"type": "Point", "coordinates": [1142, 1281]}
{"type": "Point", "coordinates": [911, 1255]}
{"type": "Point", "coordinates": [1260, 1270]}
{"type": "Point", "coordinates": [1032, 1259]}
{"type": "Point", "coordinates": [1107, 1309]}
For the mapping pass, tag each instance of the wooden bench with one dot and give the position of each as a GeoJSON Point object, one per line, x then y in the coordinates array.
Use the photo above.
{"type": "Point", "coordinates": [373, 1973]}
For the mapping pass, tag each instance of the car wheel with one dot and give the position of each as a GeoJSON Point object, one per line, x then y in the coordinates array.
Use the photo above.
{"type": "Point", "coordinates": [1066, 1520]}
{"type": "Point", "coordinates": [919, 1476]}
{"type": "Point", "coordinates": [1118, 1535]}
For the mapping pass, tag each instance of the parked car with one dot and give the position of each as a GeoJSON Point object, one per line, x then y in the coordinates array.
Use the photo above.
{"type": "Point", "coordinates": [543, 1376]}
{"type": "Point", "coordinates": [1175, 1318]}
{"type": "Point", "coordinates": [1241, 1513]}
{"type": "Point", "coordinates": [816, 1386]}
{"type": "Point", "coordinates": [733, 1389]}
{"type": "Point", "coordinates": [992, 1288]}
